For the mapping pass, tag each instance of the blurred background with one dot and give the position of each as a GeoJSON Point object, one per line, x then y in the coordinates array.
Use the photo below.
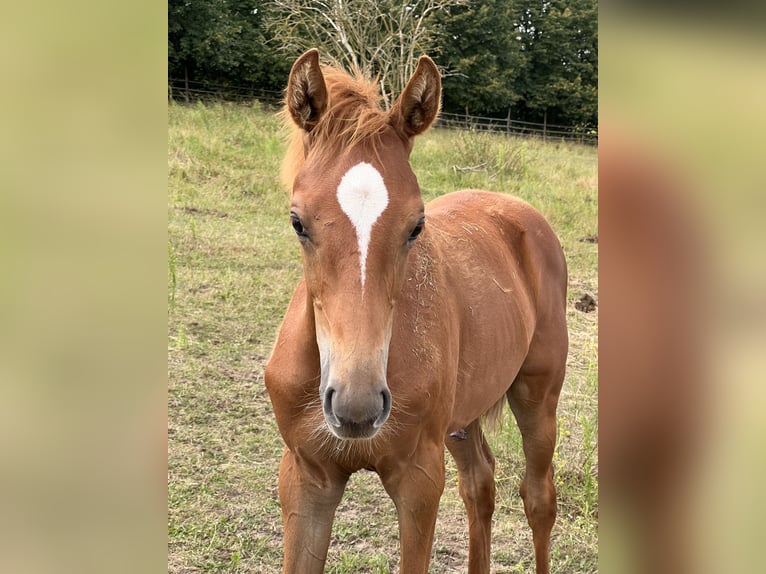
{"type": "Point", "coordinates": [681, 331]}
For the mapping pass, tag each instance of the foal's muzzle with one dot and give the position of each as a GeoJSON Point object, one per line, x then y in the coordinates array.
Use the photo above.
{"type": "Point", "coordinates": [354, 414]}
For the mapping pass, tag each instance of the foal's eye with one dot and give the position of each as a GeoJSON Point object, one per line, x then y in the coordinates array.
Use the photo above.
{"type": "Point", "coordinates": [416, 230]}
{"type": "Point", "coordinates": [295, 221]}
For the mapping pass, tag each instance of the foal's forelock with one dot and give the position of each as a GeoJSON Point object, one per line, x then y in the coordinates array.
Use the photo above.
{"type": "Point", "coordinates": [353, 114]}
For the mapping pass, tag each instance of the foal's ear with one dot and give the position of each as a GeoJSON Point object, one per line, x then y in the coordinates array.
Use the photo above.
{"type": "Point", "coordinates": [418, 105]}
{"type": "Point", "coordinates": [306, 97]}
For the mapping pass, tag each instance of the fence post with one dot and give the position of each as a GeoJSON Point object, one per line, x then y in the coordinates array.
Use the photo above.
{"type": "Point", "coordinates": [545, 125]}
{"type": "Point", "coordinates": [186, 84]}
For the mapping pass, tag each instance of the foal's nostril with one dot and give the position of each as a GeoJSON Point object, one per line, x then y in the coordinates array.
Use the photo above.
{"type": "Point", "coordinates": [327, 407]}
{"type": "Point", "coordinates": [386, 394]}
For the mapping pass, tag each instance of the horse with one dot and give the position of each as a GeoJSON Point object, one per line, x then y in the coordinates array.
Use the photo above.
{"type": "Point", "coordinates": [411, 326]}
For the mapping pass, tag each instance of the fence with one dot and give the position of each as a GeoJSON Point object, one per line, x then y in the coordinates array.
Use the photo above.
{"type": "Point", "coordinates": [519, 128]}
{"type": "Point", "coordinates": [192, 91]}
{"type": "Point", "coordinates": [183, 90]}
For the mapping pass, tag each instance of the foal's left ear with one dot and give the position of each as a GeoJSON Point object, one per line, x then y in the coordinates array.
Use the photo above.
{"type": "Point", "coordinates": [306, 97]}
{"type": "Point", "coordinates": [418, 105]}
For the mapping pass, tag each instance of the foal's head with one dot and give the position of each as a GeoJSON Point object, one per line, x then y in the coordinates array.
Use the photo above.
{"type": "Point", "coordinates": [357, 211]}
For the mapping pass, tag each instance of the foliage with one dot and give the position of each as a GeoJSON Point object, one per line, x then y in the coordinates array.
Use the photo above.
{"type": "Point", "coordinates": [482, 56]}
{"type": "Point", "coordinates": [560, 40]}
{"type": "Point", "coordinates": [535, 59]}
{"type": "Point", "coordinates": [223, 41]}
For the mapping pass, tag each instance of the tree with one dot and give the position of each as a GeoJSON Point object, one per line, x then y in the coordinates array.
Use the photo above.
{"type": "Point", "coordinates": [481, 49]}
{"type": "Point", "coordinates": [375, 37]}
{"type": "Point", "coordinates": [223, 41]}
{"type": "Point", "coordinates": [560, 39]}
{"type": "Point", "coordinates": [538, 56]}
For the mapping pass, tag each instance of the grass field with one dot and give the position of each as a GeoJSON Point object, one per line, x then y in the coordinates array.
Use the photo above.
{"type": "Point", "coordinates": [232, 264]}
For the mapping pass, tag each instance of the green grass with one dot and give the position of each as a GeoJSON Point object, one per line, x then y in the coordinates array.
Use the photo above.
{"type": "Point", "coordinates": [232, 265]}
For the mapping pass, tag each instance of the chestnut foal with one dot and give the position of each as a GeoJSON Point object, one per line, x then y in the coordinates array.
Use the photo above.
{"type": "Point", "coordinates": [411, 325]}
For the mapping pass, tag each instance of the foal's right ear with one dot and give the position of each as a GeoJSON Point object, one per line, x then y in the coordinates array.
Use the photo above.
{"type": "Point", "coordinates": [306, 97]}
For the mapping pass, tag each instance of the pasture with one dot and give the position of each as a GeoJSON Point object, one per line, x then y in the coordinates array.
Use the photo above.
{"type": "Point", "coordinates": [233, 261]}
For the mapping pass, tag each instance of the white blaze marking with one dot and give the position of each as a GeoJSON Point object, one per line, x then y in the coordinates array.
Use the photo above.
{"type": "Point", "coordinates": [363, 197]}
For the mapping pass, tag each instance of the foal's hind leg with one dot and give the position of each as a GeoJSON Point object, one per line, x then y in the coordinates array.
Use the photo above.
{"type": "Point", "coordinates": [533, 400]}
{"type": "Point", "coordinates": [476, 473]}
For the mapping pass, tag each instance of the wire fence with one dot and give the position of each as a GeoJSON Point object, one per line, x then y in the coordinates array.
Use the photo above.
{"type": "Point", "coordinates": [181, 90]}
{"type": "Point", "coordinates": [545, 131]}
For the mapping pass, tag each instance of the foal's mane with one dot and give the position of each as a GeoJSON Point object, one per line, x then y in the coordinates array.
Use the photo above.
{"type": "Point", "coordinates": [353, 114]}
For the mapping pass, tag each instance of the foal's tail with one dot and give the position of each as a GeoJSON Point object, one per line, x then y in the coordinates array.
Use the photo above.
{"type": "Point", "coordinates": [494, 416]}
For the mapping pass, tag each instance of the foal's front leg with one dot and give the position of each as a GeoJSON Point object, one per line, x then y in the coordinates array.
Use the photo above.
{"type": "Point", "coordinates": [416, 484]}
{"type": "Point", "coordinates": [309, 493]}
